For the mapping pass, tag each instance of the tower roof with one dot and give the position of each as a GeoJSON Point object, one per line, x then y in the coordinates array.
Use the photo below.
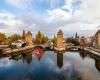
{"type": "Point", "coordinates": [98, 32]}
{"type": "Point", "coordinates": [60, 32]}
{"type": "Point", "coordinates": [29, 33]}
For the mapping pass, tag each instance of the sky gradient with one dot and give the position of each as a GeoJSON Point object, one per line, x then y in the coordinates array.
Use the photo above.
{"type": "Point", "coordinates": [48, 16]}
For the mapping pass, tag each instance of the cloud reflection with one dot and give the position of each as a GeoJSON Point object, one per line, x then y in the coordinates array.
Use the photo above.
{"type": "Point", "coordinates": [5, 63]}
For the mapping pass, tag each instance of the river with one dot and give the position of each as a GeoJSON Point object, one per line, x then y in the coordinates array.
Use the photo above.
{"type": "Point", "coordinates": [51, 66]}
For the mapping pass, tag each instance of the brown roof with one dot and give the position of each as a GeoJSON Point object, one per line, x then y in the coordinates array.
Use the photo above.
{"type": "Point", "coordinates": [29, 33]}
{"type": "Point", "coordinates": [97, 32]}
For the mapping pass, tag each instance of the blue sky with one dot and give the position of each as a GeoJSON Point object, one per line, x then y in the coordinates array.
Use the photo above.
{"type": "Point", "coordinates": [37, 6]}
{"type": "Point", "coordinates": [49, 16]}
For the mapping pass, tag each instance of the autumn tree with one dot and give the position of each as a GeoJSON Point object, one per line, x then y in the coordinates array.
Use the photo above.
{"type": "Point", "coordinates": [8, 41]}
{"type": "Point", "coordinates": [40, 38]}
{"type": "Point", "coordinates": [73, 41]}
{"type": "Point", "coordinates": [44, 39]}
{"type": "Point", "coordinates": [15, 37]}
{"type": "Point", "coordinates": [2, 37]}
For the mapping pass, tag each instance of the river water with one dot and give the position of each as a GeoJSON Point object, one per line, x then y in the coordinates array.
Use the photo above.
{"type": "Point", "coordinates": [51, 66]}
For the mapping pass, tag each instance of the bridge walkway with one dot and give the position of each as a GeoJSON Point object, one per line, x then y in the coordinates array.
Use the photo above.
{"type": "Point", "coordinates": [93, 51]}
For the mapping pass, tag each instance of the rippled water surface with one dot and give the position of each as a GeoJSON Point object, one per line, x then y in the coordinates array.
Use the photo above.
{"type": "Point", "coordinates": [51, 66]}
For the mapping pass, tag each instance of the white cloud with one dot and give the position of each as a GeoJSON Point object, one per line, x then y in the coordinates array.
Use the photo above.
{"type": "Point", "coordinates": [85, 18]}
{"type": "Point", "coordinates": [91, 8]}
{"type": "Point", "coordinates": [9, 24]}
{"type": "Point", "coordinates": [58, 15]}
{"type": "Point", "coordinates": [68, 5]}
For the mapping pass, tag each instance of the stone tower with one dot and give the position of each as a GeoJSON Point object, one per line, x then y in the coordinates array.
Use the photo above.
{"type": "Point", "coordinates": [28, 38]}
{"type": "Point", "coordinates": [97, 36]}
{"type": "Point", "coordinates": [60, 41]}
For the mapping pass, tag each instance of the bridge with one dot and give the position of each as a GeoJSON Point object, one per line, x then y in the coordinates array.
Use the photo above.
{"type": "Point", "coordinates": [95, 41]}
{"type": "Point", "coordinates": [26, 49]}
{"type": "Point", "coordinates": [71, 47]}
{"type": "Point", "coordinates": [17, 50]}
{"type": "Point", "coordinates": [94, 46]}
{"type": "Point", "coordinates": [83, 44]}
{"type": "Point", "coordinates": [4, 46]}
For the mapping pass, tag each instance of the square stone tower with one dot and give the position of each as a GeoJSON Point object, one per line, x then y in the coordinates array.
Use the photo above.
{"type": "Point", "coordinates": [60, 41]}
{"type": "Point", "coordinates": [97, 36]}
{"type": "Point", "coordinates": [28, 38]}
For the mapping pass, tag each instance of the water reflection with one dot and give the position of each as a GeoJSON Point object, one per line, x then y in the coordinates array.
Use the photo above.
{"type": "Point", "coordinates": [27, 57]}
{"type": "Point", "coordinates": [97, 64]}
{"type": "Point", "coordinates": [84, 54]}
{"type": "Point", "coordinates": [46, 68]}
{"type": "Point", "coordinates": [60, 59]}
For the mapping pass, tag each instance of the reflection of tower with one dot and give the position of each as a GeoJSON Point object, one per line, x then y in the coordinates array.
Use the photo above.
{"type": "Point", "coordinates": [27, 57]}
{"type": "Point", "coordinates": [83, 54]}
{"type": "Point", "coordinates": [60, 41]}
{"type": "Point", "coordinates": [28, 38]}
{"type": "Point", "coordinates": [60, 59]}
{"type": "Point", "coordinates": [97, 65]}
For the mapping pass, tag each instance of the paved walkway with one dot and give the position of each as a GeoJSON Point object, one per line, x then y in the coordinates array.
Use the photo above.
{"type": "Point", "coordinates": [93, 51]}
{"type": "Point", "coordinates": [18, 50]}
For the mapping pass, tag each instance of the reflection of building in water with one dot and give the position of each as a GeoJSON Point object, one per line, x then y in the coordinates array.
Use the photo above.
{"type": "Point", "coordinates": [83, 54]}
{"type": "Point", "coordinates": [97, 64]}
{"type": "Point", "coordinates": [27, 57]}
{"type": "Point", "coordinates": [60, 59]}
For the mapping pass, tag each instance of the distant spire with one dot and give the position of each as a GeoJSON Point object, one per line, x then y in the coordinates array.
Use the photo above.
{"type": "Point", "coordinates": [76, 36]}
{"type": "Point", "coordinates": [23, 36]}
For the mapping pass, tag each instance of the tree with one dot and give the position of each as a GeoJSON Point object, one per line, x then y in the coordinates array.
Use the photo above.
{"type": "Point", "coordinates": [2, 37]}
{"type": "Point", "coordinates": [45, 39]}
{"type": "Point", "coordinates": [40, 38]}
{"type": "Point", "coordinates": [8, 41]}
{"type": "Point", "coordinates": [15, 37]}
{"type": "Point", "coordinates": [73, 41]}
